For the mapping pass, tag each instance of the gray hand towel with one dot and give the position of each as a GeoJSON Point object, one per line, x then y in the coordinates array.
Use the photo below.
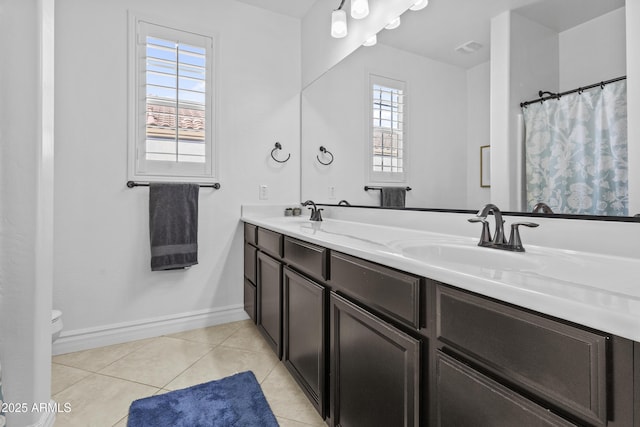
{"type": "Point", "coordinates": [393, 197]}
{"type": "Point", "coordinates": [173, 225]}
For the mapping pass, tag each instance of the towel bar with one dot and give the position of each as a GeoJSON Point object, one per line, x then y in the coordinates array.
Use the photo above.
{"type": "Point", "coordinates": [132, 184]}
{"type": "Point", "coordinates": [368, 187]}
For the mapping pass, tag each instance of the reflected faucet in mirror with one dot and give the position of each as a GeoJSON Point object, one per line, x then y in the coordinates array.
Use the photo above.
{"type": "Point", "coordinates": [315, 212]}
{"type": "Point", "coordinates": [449, 172]}
{"type": "Point", "coordinates": [542, 207]}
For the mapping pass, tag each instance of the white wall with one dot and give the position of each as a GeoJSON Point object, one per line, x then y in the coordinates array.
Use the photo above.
{"type": "Point", "coordinates": [633, 102]}
{"type": "Point", "coordinates": [524, 58]}
{"type": "Point", "coordinates": [478, 119]}
{"type": "Point", "coordinates": [320, 51]}
{"type": "Point", "coordinates": [593, 51]}
{"type": "Point", "coordinates": [102, 282]}
{"type": "Point", "coordinates": [26, 204]}
{"type": "Point", "coordinates": [336, 115]}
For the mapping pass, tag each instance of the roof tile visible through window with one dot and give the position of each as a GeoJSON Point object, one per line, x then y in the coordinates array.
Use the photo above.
{"type": "Point", "coordinates": [164, 116]}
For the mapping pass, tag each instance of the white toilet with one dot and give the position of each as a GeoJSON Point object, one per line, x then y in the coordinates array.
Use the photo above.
{"type": "Point", "coordinates": [56, 324]}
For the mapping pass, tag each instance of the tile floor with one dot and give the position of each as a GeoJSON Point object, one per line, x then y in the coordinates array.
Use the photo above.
{"type": "Point", "coordinates": [101, 383]}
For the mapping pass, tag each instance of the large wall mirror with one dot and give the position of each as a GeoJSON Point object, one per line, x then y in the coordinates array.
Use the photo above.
{"type": "Point", "coordinates": [428, 83]}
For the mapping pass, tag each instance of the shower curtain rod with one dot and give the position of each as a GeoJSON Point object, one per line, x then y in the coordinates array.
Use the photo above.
{"type": "Point", "coordinates": [550, 95]}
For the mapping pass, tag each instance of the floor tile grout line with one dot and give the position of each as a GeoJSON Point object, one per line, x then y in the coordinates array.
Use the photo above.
{"type": "Point", "coordinates": [114, 361]}
{"type": "Point", "coordinates": [72, 367]}
{"type": "Point", "coordinates": [272, 369]}
{"type": "Point", "coordinates": [121, 419]}
{"type": "Point", "coordinates": [212, 347]}
{"type": "Point", "coordinates": [121, 379]}
{"type": "Point", "coordinates": [296, 421]}
{"type": "Point", "coordinates": [190, 366]}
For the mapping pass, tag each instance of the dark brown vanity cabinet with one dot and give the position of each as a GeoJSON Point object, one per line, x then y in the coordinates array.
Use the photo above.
{"type": "Point", "coordinates": [250, 254]}
{"type": "Point", "coordinates": [269, 300]}
{"type": "Point", "coordinates": [373, 346]}
{"type": "Point", "coordinates": [303, 334]}
{"type": "Point", "coordinates": [375, 370]}
{"type": "Point", "coordinates": [466, 398]}
{"type": "Point", "coordinates": [521, 365]}
{"type": "Point", "coordinates": [269, 287]}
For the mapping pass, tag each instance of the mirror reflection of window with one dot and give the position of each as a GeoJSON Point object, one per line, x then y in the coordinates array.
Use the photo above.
{"type": "Point", "coordinates": [387, 130]}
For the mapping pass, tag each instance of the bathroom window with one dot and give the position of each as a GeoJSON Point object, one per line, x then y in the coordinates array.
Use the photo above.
{"type": "Point", "coordinates": [386, 141]}
{"type": "Point", "coordinates": [172, 97]}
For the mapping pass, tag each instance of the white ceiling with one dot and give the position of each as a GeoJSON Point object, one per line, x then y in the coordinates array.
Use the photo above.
{"type": "Point", "coordinates": [437, 30]}
{"type": "Point", "coordinates": [294, 8]}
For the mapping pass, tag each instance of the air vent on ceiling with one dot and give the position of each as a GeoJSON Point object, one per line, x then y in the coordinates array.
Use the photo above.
{"type": "Point", "coordinates": [468, 47]}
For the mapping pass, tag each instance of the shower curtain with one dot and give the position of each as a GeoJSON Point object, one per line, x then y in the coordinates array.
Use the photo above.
{"type": "Point", "coordinates": [576, 152]}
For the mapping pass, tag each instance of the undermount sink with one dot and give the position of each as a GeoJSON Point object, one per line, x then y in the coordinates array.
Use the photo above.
{"type": "Point", "coordinates": [468, 255]}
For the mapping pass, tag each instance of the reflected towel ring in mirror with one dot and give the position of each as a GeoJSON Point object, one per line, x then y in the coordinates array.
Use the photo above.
{"type": "Point", "coordinates": [325, 151]}
{"type": "Point", "coordinates": [279, 147]}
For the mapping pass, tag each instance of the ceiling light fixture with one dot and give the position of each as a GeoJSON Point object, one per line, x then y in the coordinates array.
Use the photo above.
{"type": "Point", "coordinates": [359, 9]}
{"type": "Point", "coordinates": [371, 41]}
{"type": "Point", "coordinates": [339, 22]}
{"type": "Point", "coordinates": [419, 5]}
{"type": "Point", "coordinates": [393, 24]}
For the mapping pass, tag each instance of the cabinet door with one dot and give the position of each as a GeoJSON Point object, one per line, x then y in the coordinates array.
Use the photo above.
{"type": "Point", "coordinates": [303, 334]}
{"type": "Point", "coordinates": [375, 370]}
{"type": "Point", "coordinates": [467, 398]}
{"type": "Point", "coordinates": [269, 300]}
{"type": "Point", "coordinates": [250, 299]}
{"type": "Point", "coordinates": [250, 262]}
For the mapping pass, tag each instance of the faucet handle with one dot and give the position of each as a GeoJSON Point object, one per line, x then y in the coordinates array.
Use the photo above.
{"type": "Point", "coordinates": [485, 237]}
{"type": "Point", "coordinates": [318, 214]}
{"type": "Point", "coordinates": [515, 243]}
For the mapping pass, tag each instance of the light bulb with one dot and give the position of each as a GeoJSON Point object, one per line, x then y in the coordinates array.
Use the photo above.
{"type": "Point", "coordinates": [371, 41]}
{"type": "Point", "coordinates": [338, 24]}
{"type": "Point", "coordinates": [393, 24]}
{"type": "Point", "coordinates": [419, 5]}
{"type": "Point", "coordinates": [359, 9]}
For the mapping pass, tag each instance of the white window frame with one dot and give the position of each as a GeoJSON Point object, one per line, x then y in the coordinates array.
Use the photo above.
{"type": "Point", "coordinates": [378, 177]}
{"type": "Point", "coordinates": [139, 168]}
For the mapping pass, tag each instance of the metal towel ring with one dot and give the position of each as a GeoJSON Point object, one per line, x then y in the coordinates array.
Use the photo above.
{"type": "Point", "coordinates": [325, 151]}
{"type": "Point", "coordinates": [279, 147]}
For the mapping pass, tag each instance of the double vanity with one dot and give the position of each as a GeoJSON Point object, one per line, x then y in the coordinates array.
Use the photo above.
{"type": "Point", "coordinates": [387, 326]}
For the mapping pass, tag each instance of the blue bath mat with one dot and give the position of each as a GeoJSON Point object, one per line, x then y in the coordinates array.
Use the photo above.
{"type": "Point", "coordinates": [235, 401]}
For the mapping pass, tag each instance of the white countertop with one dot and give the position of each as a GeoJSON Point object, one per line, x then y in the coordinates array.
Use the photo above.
{"type": "Point", "coordinates": [598, 291]}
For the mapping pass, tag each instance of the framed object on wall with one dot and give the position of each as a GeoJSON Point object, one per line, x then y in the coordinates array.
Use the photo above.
{"type": "Point", "coordinates": [485, 166]}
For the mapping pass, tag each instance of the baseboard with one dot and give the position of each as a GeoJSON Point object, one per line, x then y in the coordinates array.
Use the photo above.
{"type": "Point", "coordinates": [47, 419]}
{"type": "Point", "coordinates": [84, 339]}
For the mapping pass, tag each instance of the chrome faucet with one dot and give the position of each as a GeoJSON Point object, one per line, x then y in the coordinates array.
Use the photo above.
{"type": "Point", "coordinates": [315, 212]}
{"type": "Point", "coordinates": [498, 236]}
{"type": "Point", "coordinates": [498, 240]}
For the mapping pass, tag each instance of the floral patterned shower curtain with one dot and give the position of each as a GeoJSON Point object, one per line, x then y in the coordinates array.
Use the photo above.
{"type": "Point", "coordinates": [576, 152]}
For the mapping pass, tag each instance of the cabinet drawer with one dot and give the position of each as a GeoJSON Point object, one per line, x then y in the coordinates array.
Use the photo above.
{"type": "Point", "coordinates": [250, 233]}
{"type": "Point", "coordinates": [270, 242]}
{"type": "Point", "coordinates": [306, 257]}
{"type": "Point", "coordinates": [467, 398]}
{"type": "Point", "coordinates": [383, 289]}
{"type": "Point", "coordinates": [558, 362]}
{"type": "Point", "coordinates": [250, 262]}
